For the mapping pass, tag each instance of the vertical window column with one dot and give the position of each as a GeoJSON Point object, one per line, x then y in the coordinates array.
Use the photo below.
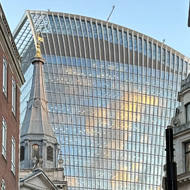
{"type": "Point", "coordinates": [84, 28]}
{"type": "Point", "coordinates": [149, 49]}
{"type": "Point", "coordinates": [13, 145]}
{"type": "Point", "coordinates": [105, 33]}
{"type": "Point", "coordinates": [145, 47]}
{"type": "Point", "coordinates": [100, 31]}
{"type": "Point", "coordinates": [163, 55]}
{"type": "Point", "coordinates": [159, 53]}
{"type": "Point", "coordinates": [120, 38]}
{"type": "Point", "coordinates": [4, 76]}
{"type": "Point", "coordinates": [135, 43]}
{"type": "Point", "coordinates": [140, 44]}
{"type": "Point", "coordinates": [187, 106]}
{"type": "Point", "coordinates": [110, 34]}
{"type": "Point", "coordinates": [187, 157]}
{"type": "Point", "coordinates": [3, 187]}
{"type": "Point", "coordinates": [4, 137]}
{"type": "Point", "coordinates": [13, 96]}
{"type": "Point", "coordinates": [168, 58]}
{"type": "Point", "coordinates": [154, 51]}
{"type": "Point", "coordinates": [130, 42]}
{"type": "Point", "coordinates": [125, 40]}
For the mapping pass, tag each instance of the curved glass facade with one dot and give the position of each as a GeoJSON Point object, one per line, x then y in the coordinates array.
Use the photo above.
{"type": "Point", "coordinates": [111, 93]}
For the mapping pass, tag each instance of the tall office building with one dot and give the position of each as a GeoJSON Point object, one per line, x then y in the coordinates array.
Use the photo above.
{"type": "Point", "coordinates": [111, 92]}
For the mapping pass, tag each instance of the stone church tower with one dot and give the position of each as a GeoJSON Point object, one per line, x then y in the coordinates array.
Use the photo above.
{"type": "Point", "coordinates": [37, 138]}
{"type": "Point", "coordinates": [38, 145]}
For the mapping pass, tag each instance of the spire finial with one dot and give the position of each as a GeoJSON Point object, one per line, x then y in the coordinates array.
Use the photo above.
{"type": "Point", "coordinates": [39, 39]}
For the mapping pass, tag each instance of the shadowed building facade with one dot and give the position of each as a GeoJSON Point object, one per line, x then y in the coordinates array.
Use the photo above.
{"type": "Point", "coordinates": [11, 79]}
{"type": "Point", "coordinates": [111, 91]}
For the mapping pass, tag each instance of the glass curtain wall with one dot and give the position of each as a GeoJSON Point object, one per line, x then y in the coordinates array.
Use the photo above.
{"type": "Point", "coordinates": [111, 93]}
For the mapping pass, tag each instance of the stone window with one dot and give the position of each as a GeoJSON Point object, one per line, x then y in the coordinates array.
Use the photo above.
{"type": "Point", "coordinates": [4, 76]}
{"type": "Point", "coordinates": [3, 187]}
{"type": "Point", "coordinates": [35, 151]}
{"type": "Point", "coordinates": [4, 137]}
{"type": "Point", "coordinates": [22, 152]}
{"type": "Point", "coordinates": [13, 152]}
{"type": "Point", "coordinates": [50, 153]}
{"type": "Point", "coordinates": [187, 112]}
{"type": "Point", "coordinates": [187, 157]}
{"type": "Point", "coordinates": [13, 96]}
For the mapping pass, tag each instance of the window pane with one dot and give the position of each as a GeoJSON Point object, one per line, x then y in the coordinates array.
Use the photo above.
{"type": "Point", "coordinates": [84, 28]}
{"type": "Point", "coordinates": [187, 147]}
{"type": "Point", "coordinates": [125, 39]}
{"type": "Point", "coordinates": [79, 27]}
{"type": "Point", "coordinates": [115, 35]}
{"type": "Point", "coordinates": [4, 137]}
{"type": "Point", "coordinates": [63, 26]}
{"type": "Point", "coordinates": [13, 95]}
{"type": "Point", "coordinates": [187, 162]}
{"type": "Point", "coordinates": [89, 29]}
{"type": "Point", "coordinates": [154, 51]}
{"type": "Point", "coordinates": [140, 45]}
{"type": "Point", "coordinates": [13, 155]}
{"type": "Point", "coordinates": [120, 38]}
{"type": "Point", "coordinates": [73, 26]}
{"type": "Point", "coordinates": [68, 26]}
{"type": "Point", "coordinates": [100, 31]}
{"type": "Point", "coordinates": [145, 47]}
{"type": "Point", "coordinates": [163, 55]}
{"type": "Point", "coordinates": [150, 50]}
{"type": "Point", "coordinates": [168, 58]}
{"type": "Point", "coordinates": [110, 34]}
{"type": "Point", "coordinates": [135, 43]}
{"type": "Point", "coordinates": [159, 53]}
{"type": "Point", "coordinates": [95, 30]}
{"type": "Point", "coordinates": [3, 187]}
{"type": "Point", "coordinates": [105, 33]}
{"type": "Point", "coordinates": [130, 42]}
{"type": "Point", "coordinates": [4, 76]}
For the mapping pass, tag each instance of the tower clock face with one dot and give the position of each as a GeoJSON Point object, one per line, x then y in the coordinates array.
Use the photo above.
{"type": "Point", "coordinates": [37, 103]}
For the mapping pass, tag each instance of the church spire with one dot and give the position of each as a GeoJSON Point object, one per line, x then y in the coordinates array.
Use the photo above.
{"type": "Point", "coordinates": [36, 133]}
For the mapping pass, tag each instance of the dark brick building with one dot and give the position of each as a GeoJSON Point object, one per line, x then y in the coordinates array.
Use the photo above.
{"type": "Point", "coordinates": [11, 80]}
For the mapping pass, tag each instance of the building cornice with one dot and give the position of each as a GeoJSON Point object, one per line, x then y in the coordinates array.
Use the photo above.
{"type": "Point", "coordinates": [11, 47]}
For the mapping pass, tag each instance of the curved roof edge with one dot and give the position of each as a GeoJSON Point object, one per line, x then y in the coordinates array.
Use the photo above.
{"type": "Point", "coordinates": [186, 58]}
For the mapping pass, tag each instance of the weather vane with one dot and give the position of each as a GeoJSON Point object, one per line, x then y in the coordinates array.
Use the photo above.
{"type": "Point", "coordinates": [38, 51]}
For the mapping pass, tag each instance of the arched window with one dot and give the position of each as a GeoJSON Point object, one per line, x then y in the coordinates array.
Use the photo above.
{"type": "Point", "coordinates": [50, 153]}
{"type": "Point", "coordinates": [3, 187]}
{"type": "Point", "coordinates": [22, 153]}
{"type": "Point", "coordinates": [35, 151]}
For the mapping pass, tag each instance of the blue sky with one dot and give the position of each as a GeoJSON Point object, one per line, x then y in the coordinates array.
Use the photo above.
{"type": "Point", "coordinates": [160, 19]}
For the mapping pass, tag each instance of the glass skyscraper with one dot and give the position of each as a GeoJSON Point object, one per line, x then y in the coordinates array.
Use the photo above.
{"type": "Point", "coordinates": [111, 93]}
